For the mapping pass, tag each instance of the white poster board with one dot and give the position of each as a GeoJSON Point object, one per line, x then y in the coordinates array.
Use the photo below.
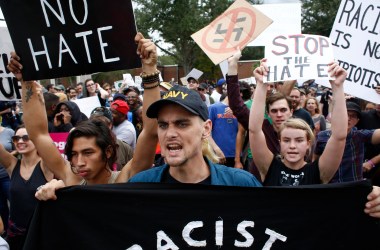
{"type": "Point", "coordinates": [9, 87]}
{"type": "Point", "coordinates": [356, 45]}
{"type": "Point", "coordinates": [86, 105]}
{"type": "Point", "coordinates": [286, 20]}
{"type": "Point", "coordinates": [298, 56]}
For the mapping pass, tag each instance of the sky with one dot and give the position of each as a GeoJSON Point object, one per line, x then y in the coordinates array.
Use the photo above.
{"type": "Point", "coordinates": [264, 1]}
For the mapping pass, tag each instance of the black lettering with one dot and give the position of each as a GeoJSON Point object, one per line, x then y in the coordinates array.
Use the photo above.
{"type": "Point", "coordinates": [375, 25]}
{"type": "Point", "coordinates": [296, 41]}
{"type": "Point", "coordinates": [364, 14]}
{"type": "Point", "coordinates": [315, 49]}
{"type": "Point", "coordinates": [356, 16]}
{"type": "Point", "coordinates": [301, 66]}
{"type": "Point", "coordinates": [373, 51]}
{"type": "Point", "coordinates": [10, 86]}
{"type": "Point", "coordinates": [348, 11]}
{"type": "Point", "coordinates": [321, 69]}
{"type": "Point", "coordinates": [274, 73]}
{"type": "Point", "coordinates": [285, 70]}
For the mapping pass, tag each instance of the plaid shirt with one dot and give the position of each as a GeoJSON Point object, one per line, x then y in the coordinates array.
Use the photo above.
{"type": "Point", "coordinates": [351, 167]}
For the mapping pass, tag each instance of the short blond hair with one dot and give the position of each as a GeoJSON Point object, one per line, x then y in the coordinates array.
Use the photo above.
{"type": "Point", "coordinates": [297, 123]}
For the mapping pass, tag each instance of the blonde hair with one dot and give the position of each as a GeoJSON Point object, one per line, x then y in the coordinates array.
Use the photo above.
{"type": "Point", "coordinates": [208, 152]}
{"type": "Point", "coordinates": [297, 123]}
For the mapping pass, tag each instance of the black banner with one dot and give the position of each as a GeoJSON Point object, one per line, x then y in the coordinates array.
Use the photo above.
{"type": "Point", "coordinates": [161, 216]}
{"type": "Point", "coordinates": [57, 38]}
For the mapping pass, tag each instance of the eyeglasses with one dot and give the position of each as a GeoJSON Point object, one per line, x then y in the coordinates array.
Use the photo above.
{"type": "Point", "coordinates": [90, 85]}
{"type": "Point", "coordinates": [16, 138]}
{"type": "Point", "coordinates": [107, 89]}
{"type": "Point", "coordinates": [199, 89]}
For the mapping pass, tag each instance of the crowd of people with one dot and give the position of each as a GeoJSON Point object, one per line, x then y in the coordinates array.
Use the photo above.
{"type": "Point", "coordinates": [268, 134]}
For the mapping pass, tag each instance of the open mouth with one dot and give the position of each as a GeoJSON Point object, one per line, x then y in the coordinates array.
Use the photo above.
{"type": "Point", "coordinates": [174, 147]}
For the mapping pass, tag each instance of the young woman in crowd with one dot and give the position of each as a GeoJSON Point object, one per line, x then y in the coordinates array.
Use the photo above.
{"type": "Point", "coordinates": [93, 89]}
{"type": "Point", "coordinates": [296, 138]}
{"type": "Point", "coordinates": [311, 105]}
{"type": "Point", "coordinates": [27, 174]}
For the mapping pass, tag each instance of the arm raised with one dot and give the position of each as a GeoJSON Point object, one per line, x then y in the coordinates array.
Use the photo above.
{"type": "Point", "coordinates": [261, 154]}
{"type": "Point", "coordinates": [331, 157]}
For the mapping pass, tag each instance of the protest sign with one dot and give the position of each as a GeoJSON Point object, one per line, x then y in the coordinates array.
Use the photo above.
{"type": "Point", "coordinates": [236, 27]}
{"type": "Point", "coordinates": [127, 78]}
{"type": "Point", "coordinates": [65, 38]}
{"type": "Point", "coordinates": [59, 140]}
{"type": "Point", "coordinates": [10, 88]}
{"type": "Point", "coordinates": [117, 84]}
{"type": "Point", "coordinates": [298, 56]}
{"type": "Point", "coordinates": [87, 104]}
{"type": "Point", "coordinates": [286, 20]}
{"type": "Point", "coordinates": [355, 40]}
{"type": "Point", "coordinates": [179, 216]}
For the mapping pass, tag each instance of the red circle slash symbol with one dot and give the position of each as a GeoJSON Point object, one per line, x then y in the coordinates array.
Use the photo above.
{"type": "Point", "coordinates": [225, 38]}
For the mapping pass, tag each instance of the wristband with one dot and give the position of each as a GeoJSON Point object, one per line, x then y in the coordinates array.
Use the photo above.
{"type": "Point", "coordinates": [372, 164]}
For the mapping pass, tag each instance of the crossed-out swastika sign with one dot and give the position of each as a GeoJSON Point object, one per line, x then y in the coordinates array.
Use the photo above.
{"type": "Point", "coordinates": [236, 27]}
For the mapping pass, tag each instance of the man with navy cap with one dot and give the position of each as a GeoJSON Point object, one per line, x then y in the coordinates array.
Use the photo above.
{"type": "Point", "coordinates": [183, 126]}
{"type": "Point", "coordinates": [219, 89]}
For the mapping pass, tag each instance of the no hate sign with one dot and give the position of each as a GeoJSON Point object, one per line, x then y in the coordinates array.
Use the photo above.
{"type": "Point", "coordinates": [57, 38]}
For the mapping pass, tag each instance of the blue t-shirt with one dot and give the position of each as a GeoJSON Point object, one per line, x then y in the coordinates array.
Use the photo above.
{"type": "Point", "coordinates": [224, 128]}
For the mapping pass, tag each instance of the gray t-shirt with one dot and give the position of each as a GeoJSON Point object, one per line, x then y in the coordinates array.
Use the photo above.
{"type": "Point", "coordinates": [6, 140]}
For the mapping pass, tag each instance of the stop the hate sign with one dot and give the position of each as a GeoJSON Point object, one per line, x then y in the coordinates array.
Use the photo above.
{"type": "Point", "coordinates": [291, 57]}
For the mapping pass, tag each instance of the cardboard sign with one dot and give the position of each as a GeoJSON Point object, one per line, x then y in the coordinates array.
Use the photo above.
{"type": "Point", "coordinates": [65, 38]}
{"type": "Point", "coordinates": [10, 88]}
{"type": "Point", "coordinates": [298, 56]}
{"type": "Point", "coordinates": [169, 216]}
{"type": "Point", "coordinates": [87, 104]}
{"type": "Point", "coordinates": [356, 45]}
{"type": "Point", "coordinates": [286, 20]}
{"type": "Point", "coordinates": [236, 27]}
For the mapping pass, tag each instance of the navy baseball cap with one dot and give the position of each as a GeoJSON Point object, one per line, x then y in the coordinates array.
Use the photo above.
{"type": "Point", "coordinates": [187, 98]}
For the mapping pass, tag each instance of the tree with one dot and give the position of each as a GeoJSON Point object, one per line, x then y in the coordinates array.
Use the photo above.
{"type": "Point", "coordinates": [174, 21]}
{"type": "Point", "coordinates": [318, 16]}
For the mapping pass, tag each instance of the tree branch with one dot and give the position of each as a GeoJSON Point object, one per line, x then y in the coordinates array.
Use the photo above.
{"type": "Point", "coordinates": [166, 51]}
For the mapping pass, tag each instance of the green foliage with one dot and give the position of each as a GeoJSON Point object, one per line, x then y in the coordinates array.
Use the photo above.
{"type": "Point", "coordinates": [174, 21]}
{"type": "Point", "coordinates": [318, 16]}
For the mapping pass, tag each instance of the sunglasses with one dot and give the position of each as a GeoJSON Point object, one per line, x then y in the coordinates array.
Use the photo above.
{"type": "Point", "coordinates": [16, 138]}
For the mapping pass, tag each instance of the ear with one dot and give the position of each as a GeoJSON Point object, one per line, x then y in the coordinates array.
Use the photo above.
{"type": "Point", "coordinates": [108, 152]}
{"type": "Point", "coordinates": [207, 127]}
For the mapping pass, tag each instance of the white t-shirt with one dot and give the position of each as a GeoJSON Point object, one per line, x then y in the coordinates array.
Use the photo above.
{"type": "Point", "coordinates": [126, 132]}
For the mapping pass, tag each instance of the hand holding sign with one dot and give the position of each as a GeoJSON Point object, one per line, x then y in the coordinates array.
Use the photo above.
{"type": "Point", "coordinates": [233, 63]}
{"type": "Point", "coordinates": [338, 73]}
{"type": "Point", "coordinates": [15, 66]}
{"type": "Point", "coordinates": [260, 72]}
{"type": "Point", "coordinates": [147, 52]}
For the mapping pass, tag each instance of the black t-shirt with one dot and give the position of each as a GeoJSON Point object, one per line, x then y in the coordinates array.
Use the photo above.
{"type": "Point", "coordinates": [167, 178]}
{"type": "Point", "coordinates": [280, 175]}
